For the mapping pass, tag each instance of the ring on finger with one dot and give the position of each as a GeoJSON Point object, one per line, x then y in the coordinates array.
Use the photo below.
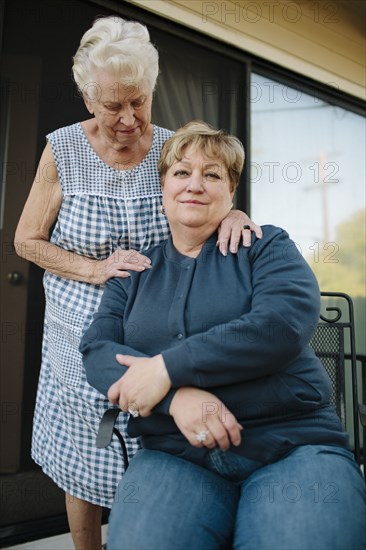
{"type": "Point", "coordinates": [246, 227]}
{"type": "Point", "coordinates": [133, 412]}
{"type": "Point", "coordinates": [202, 436]}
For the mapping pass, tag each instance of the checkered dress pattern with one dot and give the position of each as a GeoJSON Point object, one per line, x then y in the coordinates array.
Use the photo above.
{"type": "Point", "coordinates": [102, 209]}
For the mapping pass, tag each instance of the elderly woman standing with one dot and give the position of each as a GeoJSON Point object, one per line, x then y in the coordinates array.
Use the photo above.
{"type": "Point", "coordinates": [241, 446]}
{"type": "Point", "coordinates": [93, 207]}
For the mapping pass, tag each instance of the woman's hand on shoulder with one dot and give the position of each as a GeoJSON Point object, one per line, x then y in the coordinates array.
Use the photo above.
{"type": "Point", "coordinates": [119, 264]}
{"type": "Point", "coordinates": [235, 227]}
{"type": "Point", "coordinates": [204, 419]}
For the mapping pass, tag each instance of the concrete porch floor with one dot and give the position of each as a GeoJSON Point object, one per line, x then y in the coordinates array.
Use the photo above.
{"type": "Point", "coordinates": [59, 542]}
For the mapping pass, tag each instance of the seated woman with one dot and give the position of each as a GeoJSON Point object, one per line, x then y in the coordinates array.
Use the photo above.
{"type": "Point", "coordinates": [211, 356]}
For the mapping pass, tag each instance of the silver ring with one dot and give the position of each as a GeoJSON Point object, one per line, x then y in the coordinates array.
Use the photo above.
{"type": "Point", "coordinates": [134, 413]}
{"type": "Point", "coordinates": [202, 436]}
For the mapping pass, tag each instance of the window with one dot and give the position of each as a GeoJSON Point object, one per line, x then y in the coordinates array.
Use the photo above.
{"type": "Point", "coordinates": [308, 176]}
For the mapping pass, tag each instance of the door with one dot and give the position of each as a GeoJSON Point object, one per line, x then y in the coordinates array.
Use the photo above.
{"type": "Point", "coordinates": [20, 76]}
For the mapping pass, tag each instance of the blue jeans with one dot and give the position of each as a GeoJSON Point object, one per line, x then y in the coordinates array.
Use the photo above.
{"type": "Point", "coordinates": [313, 498]}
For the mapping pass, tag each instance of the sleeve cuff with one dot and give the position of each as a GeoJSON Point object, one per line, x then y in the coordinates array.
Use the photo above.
{"type": "Point", "coordinates": [180, 367]}
{"type": "Point", "coordinates": [164, 405]}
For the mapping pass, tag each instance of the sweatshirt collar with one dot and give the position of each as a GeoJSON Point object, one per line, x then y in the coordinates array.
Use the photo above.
{"type": "Point", "coordinates": [172, 254]}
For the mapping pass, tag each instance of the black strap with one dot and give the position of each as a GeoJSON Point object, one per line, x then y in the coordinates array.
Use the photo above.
{"type": "Point", "coordinates": [106, 431]}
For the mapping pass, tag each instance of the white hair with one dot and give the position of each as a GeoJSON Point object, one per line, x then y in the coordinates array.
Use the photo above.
{"type": "Point", "coordinates": [120, 47]}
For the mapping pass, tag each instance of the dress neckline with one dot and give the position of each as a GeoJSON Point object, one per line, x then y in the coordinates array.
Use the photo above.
{"type": "Point", "coordinates": [101, 161]}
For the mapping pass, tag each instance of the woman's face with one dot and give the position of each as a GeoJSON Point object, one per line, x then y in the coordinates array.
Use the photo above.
{"type": "Point", "coordinates": [122, 111]}
{"type": "Point", "coordinates": [196, 192]}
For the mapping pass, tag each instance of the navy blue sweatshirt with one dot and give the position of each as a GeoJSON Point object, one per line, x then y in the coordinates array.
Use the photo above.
{"type": "Point", "coordinates": [238, 326]}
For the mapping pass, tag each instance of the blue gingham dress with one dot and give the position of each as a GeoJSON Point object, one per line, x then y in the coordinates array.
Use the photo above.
{"type": "Point", "coordinates": [102, 209]}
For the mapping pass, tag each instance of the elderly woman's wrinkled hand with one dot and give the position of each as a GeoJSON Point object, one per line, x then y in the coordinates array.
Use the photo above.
{"type": "Point", "coordinates": [204, 419]}
{"type": "Point", "coordinates": [143, 386]}
{"type": "Point", "coordinates": [236, 226]}
{"type": "Point", "coordinates": [119, 264]}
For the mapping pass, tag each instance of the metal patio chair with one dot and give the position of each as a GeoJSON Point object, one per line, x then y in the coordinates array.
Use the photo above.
{"type": "Point", "coordinates": [334, 344]}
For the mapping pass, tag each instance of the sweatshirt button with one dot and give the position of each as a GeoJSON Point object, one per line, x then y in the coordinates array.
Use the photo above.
{"type": "Point", "coordinates": [180, 336]}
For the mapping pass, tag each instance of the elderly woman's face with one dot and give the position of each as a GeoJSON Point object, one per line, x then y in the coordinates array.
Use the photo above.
{"type": "Point", "coordinates": [123, 112]}
{"type": "Point", "coordinates": [196, 191]}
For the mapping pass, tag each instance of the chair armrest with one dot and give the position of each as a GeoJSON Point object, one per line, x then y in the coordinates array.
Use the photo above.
{"type": "Point", "coordinates": [362, 413]}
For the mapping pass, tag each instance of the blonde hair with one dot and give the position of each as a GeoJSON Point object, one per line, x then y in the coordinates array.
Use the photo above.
{"type": "Point", "coordinates": [213, 143]}
{"type": "Point", "coordinates": [120, 47]}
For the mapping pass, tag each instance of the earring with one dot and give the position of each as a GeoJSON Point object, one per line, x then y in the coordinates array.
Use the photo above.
{"type": "Point", "coordinates": [162, 210]}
